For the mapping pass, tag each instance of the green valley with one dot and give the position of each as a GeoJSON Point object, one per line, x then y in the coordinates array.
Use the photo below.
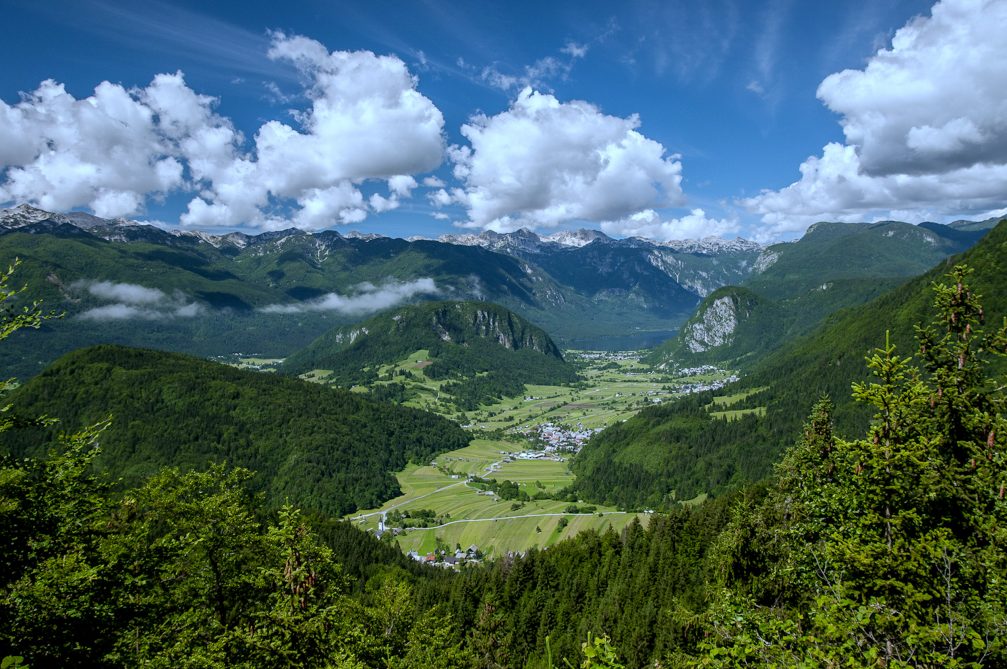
{"type": "Point", "coordinates": [671, 451]}
{"type": "Point", "coordinates": [503, 335]}
{"type": "Point", "coordinates": [511, 488]}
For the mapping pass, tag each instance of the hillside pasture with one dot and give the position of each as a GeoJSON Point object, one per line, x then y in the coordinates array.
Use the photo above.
{"type": "Point", "coordinates": [612, 391]}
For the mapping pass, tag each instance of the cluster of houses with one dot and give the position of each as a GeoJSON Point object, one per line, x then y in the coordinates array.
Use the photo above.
{"type": "Point", "coordinates": [557, 438]}
{"type": "Point", "coordinates": [609, 355]}
{"type": "Point", "coordinates": [447, 559]}
{"type": "Point", "coordinates": [689, 388]}
{"type": "Point", "coordinates": [533, 455]}
{"type": "Point", "coordinates": [696, 371]}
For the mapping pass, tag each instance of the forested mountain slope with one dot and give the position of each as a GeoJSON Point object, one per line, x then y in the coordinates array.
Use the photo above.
{"type": "Point", "coordinates": [324, 449]}
{"type": "Point", "coordinates": [885, 549]}
{"type": "Point", "coordinates": [273, 293]}
{"type": "Point", "coordinates": [677, 450]}
{"type": "Point", "coordinates": [796, 285]}
{"type": "Point", "coordinates": [481, 350]}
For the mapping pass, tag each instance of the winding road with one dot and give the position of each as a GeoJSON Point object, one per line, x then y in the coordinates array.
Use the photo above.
{"type": "Point", "coordinates": [496, 518]}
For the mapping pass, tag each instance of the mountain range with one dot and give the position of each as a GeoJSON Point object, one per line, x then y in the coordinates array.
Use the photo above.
{"type": "Point", "coordinates": [683, 449]}
{"type": "Point", "coordinates": [135, 284]}
{"type": "Point", "coordinates": [796, 285]}
{"type": "Point", "coordinates": [273, 293]}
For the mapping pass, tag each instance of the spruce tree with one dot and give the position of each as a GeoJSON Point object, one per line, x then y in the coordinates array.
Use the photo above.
{"type": "Point", "coordinates": [889, 550]}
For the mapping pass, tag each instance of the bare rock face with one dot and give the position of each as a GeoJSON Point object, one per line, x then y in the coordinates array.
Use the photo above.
{"type": "Point", "coordinates": [714, 328]}
{"type": "Point", "coordinates": [455, 322]}
{"type": "Point", "coordinates": [765, 260]}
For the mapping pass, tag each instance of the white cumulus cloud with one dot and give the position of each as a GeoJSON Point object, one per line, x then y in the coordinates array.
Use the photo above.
{"type": "Point", "coordinates": [925, 124]}
{"type": "Point", "coordinates": [321, 207]}
{"type": "Point", "coordinates": [402, 185]}
{"type": "Point", "coordinates": [440, 198]}
{"type": "Point", "coordinates": [367, 120]}
{"type": "Point", "coordinates": [365, 298]}
{"type": "Point", "coordinates": [114, 150]}
{"type": "Point", "coordinates": [544, 162]}
{"type": "Point", "coordinates": [108, 151]}
{"type": "Point", "coordinates": [649, 224]}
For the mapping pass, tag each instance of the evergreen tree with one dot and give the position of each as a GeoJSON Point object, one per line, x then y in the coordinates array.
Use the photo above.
{"type": "Point", "coordinates": [891, 547]}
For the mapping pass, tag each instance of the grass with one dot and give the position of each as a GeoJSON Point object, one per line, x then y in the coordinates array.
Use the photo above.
{"type": "Point", "coordinates": [609, 395]}
{"type": "Point", "coordinates": [496, 538]}
{"type": "Point", "coordinates": [725, 401]}
{"type": "Point", "coordinates": [613, 390]}
{"type": "Point", "coordinates": [551, 475]}
{"type": "Point", "coordinates": [492, 524]}
{"type": "Point", "coordinates": [734, 414]}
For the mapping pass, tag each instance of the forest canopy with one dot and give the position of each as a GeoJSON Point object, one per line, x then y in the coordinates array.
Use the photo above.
{"type": "Point", "coordinates": [887, 549]}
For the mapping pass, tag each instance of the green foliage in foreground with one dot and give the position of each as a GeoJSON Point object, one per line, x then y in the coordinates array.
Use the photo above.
{"type": "Point", "coordinates": [885, 550]}
{"type": "Point", "coordinates": [325, 449]}
{"type": "Point", "coordinates": [181, 573]}
{"type": "Point", "coordinates": [888, 550]}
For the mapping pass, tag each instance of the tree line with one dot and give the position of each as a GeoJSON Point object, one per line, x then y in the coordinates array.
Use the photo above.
{"type": "Point", "coordinates": [331, 450]}
{"type": "Point", "coordinates": [887, 549]}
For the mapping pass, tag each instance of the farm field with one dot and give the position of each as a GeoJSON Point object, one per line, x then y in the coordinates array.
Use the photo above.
{"type": "Point", "coordinates": [471, 516]}
{"type": "Point", "coordinates": [616, 387]}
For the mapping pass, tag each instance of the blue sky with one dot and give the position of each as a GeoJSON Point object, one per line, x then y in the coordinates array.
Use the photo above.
{"type": "Point", "coordinates": [659, 119]}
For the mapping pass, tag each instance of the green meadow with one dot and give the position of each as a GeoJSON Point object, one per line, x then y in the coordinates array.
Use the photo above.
{"type": "Point", "coordinates": [471, 516]}
{"type": "Point", "coordinates": [613, 390]}
{"type": "Point", "coordinates": [720, 406]}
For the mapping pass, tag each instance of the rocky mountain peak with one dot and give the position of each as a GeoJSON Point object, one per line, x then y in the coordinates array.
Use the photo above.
{"type": "Point", "coordinates": [363, 236]}
{"type": "Point", "coordinates": [25, 214]}
{"type": "Point", "coordinates": [712, 245]}
{"type": "Point", "coordinates": [714, 327]}
{"type": "Point", "coordinates": [576, 238]}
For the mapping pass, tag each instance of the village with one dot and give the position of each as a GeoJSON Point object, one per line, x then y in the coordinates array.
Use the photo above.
{"type": "Point", "coordinates": [703, 386]}
{"type": "Point", "coordinates": [608, 356]}
{"type": "Point", "coordinates": [554, 439]}
{"type": "Point", "coordinates": [507, 491]}
{"type": "Point", "coordinates": [443, 557]}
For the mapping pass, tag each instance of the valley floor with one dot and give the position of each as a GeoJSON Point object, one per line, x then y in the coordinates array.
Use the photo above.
{"type": "Point", "coordinates": [530, 442]}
